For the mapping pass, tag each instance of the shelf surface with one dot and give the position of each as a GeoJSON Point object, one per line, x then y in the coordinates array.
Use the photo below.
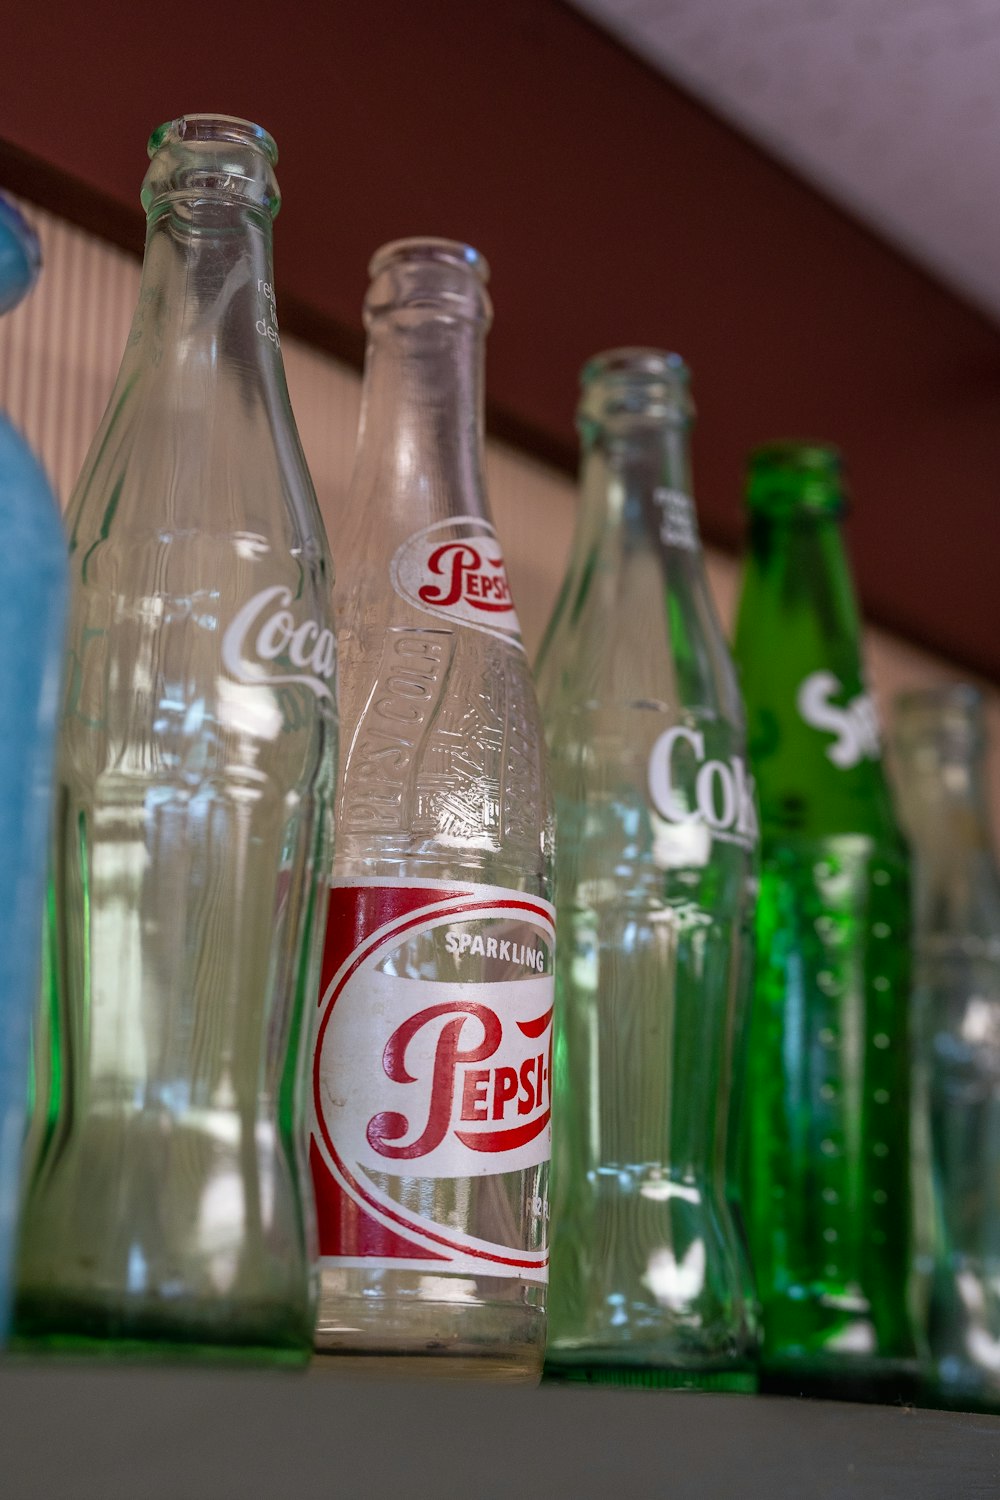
{"type": "Point", "coordinates": [112, 1433]}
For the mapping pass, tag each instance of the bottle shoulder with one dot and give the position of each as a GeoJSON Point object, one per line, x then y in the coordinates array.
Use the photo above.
{"type": "Point", "coordinates": [653, 646]}
{"type": "Point", "coordinates": [444, 758]}
{"type": "Point", "coordinates": [221, 466]}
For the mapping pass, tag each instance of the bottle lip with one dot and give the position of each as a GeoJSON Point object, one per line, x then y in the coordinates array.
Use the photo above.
{"type": "Point", "coordinates": [424, 280]}
{"type": "Point", "coordinates": [636, 362]}
{"type": "Point", "coordinates": [212, 129]}
{"type": "Point", "coordinates": [796, 477]}
{"type": "Point", "coordinates": [20, 255]}
{"type": "Point", "coordinates": [429, 249]}
{"type": "Point", "coordinates": [213, 158]}
{"type": "Point", "coordinates": [636, 381]}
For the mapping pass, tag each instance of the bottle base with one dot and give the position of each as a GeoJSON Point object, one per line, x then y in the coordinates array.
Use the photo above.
{"type": "Point", "coordinates": [960, 1386]}
{"type": "Point", "coordinates": [648, 1377]}
{"type": "Point", "coordinates": [511, 1368]}
{"type": "Point", "coordinates": [154, 1351]}
{"type": "Point", "coordinates": [885, 1384]}
{"type": "Point", "coordinates": [95, 1333]}
{"type": "Point", "coordinates": [403, 1339]}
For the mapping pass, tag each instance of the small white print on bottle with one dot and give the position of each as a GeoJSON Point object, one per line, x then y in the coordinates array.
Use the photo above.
{"type": "Point", "coordinates": [433, 1061]}
{"type": "Point", "coordinates": [458, 577]}
{"type": "Point", "coordinates": [677, 523]}
{"type": "Point", "coordinates": [265, 630]}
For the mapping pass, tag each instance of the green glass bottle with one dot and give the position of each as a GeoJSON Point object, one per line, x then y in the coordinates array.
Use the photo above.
{"type": "Point", "coordinates": [826, 1121]}
{"type": "Point", "coordinates": [656, 844]}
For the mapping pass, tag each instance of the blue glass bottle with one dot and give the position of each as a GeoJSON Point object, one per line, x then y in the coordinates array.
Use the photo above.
{"type": "Point", "coordinates": [33, 583]}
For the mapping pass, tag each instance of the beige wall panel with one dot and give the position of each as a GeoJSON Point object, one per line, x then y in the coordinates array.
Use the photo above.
{"type": "Point", "coordinates": [59, 354]}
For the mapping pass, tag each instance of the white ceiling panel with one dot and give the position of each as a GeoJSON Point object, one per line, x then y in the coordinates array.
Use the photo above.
{"type": "Point", "coordinates": [892, 107]}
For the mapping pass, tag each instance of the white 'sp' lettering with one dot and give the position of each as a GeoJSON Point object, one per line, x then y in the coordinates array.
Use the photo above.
{"type": "Point", "coordinates": [855, 724]}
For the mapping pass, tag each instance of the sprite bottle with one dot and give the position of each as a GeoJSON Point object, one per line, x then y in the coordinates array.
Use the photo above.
{"type": "Point", "coordinates": [826, 1124]}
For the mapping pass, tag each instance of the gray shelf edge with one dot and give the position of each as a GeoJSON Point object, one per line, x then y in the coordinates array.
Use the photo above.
{"type": "Point", "coordinates": [97, 1432]}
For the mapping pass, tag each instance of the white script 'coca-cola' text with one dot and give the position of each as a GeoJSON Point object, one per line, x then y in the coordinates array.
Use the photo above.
{"type": "Point", "coordinates": [723, 790]}
{"type": "Point", "coordinates": [265, 630]}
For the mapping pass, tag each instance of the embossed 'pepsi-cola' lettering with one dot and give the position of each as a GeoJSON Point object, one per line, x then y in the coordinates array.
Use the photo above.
{"type": "Point", "coordinates": [278, 634]}
{"type": "Point", "coordinates": [723, 791]}
{"type": "Point", "coordinates": [855, 724]}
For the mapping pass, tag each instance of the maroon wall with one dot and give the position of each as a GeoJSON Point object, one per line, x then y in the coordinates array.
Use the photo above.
{"type": "Point", "coordinates": [612, 209]}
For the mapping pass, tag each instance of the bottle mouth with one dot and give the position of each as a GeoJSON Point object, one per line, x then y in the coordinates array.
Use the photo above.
{"type": "Point", "coordinates": [636, 382]}
{"type": "Point", "coordinates": [794, 477]}
{"type": "Point", "coordinates": [424, 276]}
{"type": "Point", "coordinates": [210, 156]}
{"type": "Point", "coordinates": [423, 249]}
{"type": "Point", "coordinates": [20, 255]}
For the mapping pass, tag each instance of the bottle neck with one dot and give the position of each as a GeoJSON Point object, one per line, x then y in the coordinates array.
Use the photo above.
{"type": "Point", "coordinates": [813, 734]}
{"type": "Point", "coordinates": [798, 568]}
{"type": "Point", "coordinates": [420, 441]}
{"type": "Point", "coordinates": [944, 801]}
{"type": "Point", "coordinates": [206, 298]}
{"type": "Point", "coordinates": [635, 622]}
{"type": "Point", "coordinates": [945, 813]}
{"type": "Point", "coordinates": [636, 488]}
{"type": "Point", "coordinates": [637, 529]}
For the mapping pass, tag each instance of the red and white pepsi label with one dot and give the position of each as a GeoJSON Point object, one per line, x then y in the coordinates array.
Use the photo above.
{"type": "Point", "coordinates": [433, 1061]}
{"type": "Point", "coordinates": [455, 570]}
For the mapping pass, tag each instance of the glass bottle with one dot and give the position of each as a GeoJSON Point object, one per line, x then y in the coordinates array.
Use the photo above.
{"type": "Point", "coordinates": [168, 1210]}
{"type": "Point", "coordinates": [826, 1189]}
{"type": "Point", "coordinates": [940, 742]}
{"type": "Point", "coordinates": [432, 1062]}
{"type": "Point", "coordinates": [656, 829]}
{"type": "Point", "coordinates": [33, 585]}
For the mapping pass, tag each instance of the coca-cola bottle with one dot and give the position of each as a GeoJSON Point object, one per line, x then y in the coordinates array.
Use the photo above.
{"type": "Point", "coordinates": [432, 1062]}
{"type": "Point", "coordinates": [168, 1204]}
{"type": "Point", "coordinates": [657, 830]}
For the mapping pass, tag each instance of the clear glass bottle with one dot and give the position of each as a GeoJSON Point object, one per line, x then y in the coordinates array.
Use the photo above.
{"type": "Point", "coordinates": [432, 1063]}
{"type": "Point", "coordinates": [940, 743]}
{"type": "Point", "coordinates": [826, 1125]}
{"type": "Point", "coordinates": [657, 829]}
{"type": "Point", "coordinates": [33, 587]}
{"type": "Point", "coordinates": [168, 1207]}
